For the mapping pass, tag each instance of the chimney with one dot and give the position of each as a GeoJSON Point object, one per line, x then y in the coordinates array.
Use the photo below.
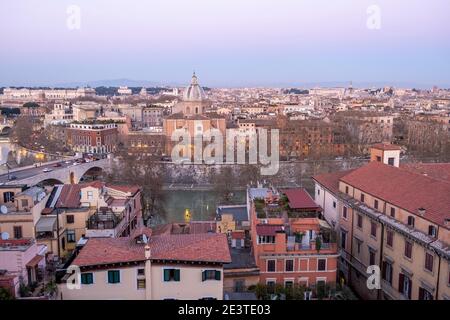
{"type": "Point", "coordinates": [421, 211]}
{"type": "Point", "coordinates": [147, 251]}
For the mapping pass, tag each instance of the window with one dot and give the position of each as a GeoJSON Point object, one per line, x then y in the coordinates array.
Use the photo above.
{"type": "Point", "coordinates": [375, 204]}
{"type": "Point", "coordinates": [432, 231]}
{"type": "Point", "coordinates": [321, 264]}
{"type": "Point", "coordinates": [372, 257]}
{"type": "Point", "coordinates": [358, 245]}
{"type": "Point", "coordinates": [71, 236]}
{"type": "Point", "coordinates": [8, 196]}
{"type": "Point", "coordinates": [360, 221]}
{"type": "Point", "coordinates": [140, 284]}
{"type": "Point", "coordinates": [404, 285]}
{"type": "Point", "coordinates": [141, 272]}
{"type": "Point", "coordinates": [17, 232]}
{"type": "Point", "coordinates": [424, 294]}
{"type": "Point", "coordinates": [266, 239]}
{"type": "Point", "coordinates": [90, 195]}
{"type": "Point", "coordinates": [362, 197]}
{"type": "Point", "coordinates": [24, 202]}
{"type": "Point", "coordinates": [390, 238]}
{"type": "Point", "coordinates": [270, 286]}
{"type": "Point", "coordinates": [239, 285]}
{"type": "Point", "coordinates": [378, 158]}
{"type": "Point", "coordinates": [408, 249]}
{"type": "Point", "coordinates": [411, 221]}
{"type": "Point", "coordinates": [171, 275]}
{"type": "Point", "coordinates": [113, 276]}
{"type": "Point", "coordinates": [288, 284]}
{"type": "Point", "coordinates": [373, 229]}
{"type": "Point", "coordinates": [289, 265]}
{"type": "Point", "coordinates": [343, 239]}
{"type": "Point", "coordinates": [87, 278]}
{"type": "Point", "coordinates": [391, 161]}
{"type": "Point", "coordinates": [271, 265]}
{"type": "Point", "coordinates": [387, 272]}
{"type": "Point", "coordinates": [70, 218]}
{"type": "Point", "coordinates": [334, 204]}
{"type": "Point", "coordinates": [392, 212]}
{"type": "Point", "coordinates": [346, 190]}
{"type": "Point", "coordinates": [428, 262]}
{"type": "Point", "coordinates": [318, 191]}
{"type": "Point", "coordinates": [210, 275]}
{"type": "Point", "coordinates": [344, 212]}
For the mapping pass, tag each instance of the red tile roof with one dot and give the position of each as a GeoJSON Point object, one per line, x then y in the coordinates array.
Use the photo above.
{"type": "Point", "coordinates": [299, 199]}
{"type": "Point", "coordinates": [403, 188]}
{"type": "Point", "coordinates": [268, 229]}
{"type": "Point", "coordinates": [331, 180]}
{"type": "Point", "coordinates": [181, 247]}
{"type": "Point", "coordinates": [69, 197]}
{"type": "Point", "coordinates": [386, 146]}
{"type": "Point", "coordinates": [434, 170]}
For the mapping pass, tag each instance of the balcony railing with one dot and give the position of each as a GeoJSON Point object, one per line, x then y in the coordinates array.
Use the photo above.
{"type": "Point", "coordinates": [101, 221]}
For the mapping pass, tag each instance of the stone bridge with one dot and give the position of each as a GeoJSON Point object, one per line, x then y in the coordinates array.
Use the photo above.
{"type": "Point", "coordinates": [67, 173]}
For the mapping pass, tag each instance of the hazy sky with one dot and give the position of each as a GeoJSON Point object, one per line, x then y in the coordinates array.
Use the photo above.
{"type": "Point", "coordinates": [227, 42]}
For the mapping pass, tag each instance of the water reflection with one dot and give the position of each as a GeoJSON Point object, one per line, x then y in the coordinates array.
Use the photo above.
{"type": "Point", "coordinates": [202, 204]}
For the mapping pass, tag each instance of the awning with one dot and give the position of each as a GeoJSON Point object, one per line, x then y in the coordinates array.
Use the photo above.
{"type": "Point", "coordinates": [46, 224]}
{"type": "Point", "coordinates": [35, 261]}
{"type": "Point", "coordinates": [324, 224]}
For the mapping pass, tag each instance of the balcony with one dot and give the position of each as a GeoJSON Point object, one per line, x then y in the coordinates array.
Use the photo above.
{"type": "Point", "coordinates": [104, 221]}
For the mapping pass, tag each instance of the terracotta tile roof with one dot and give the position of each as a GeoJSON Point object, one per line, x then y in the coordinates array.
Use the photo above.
{"type": "Point", "coordinates": [331, 180]}
{"type": "Point", "coordinates": [299, 199]}
{"type": "Point", "coordinates": [95, 184]}
{"type": "Point", "coordinates": [268, 229]}
{"type": "Point", "coordinates": [386, 146]}
{"type": "Point", "coordinates": [182, 247]}
{"type": "Point", "coordinates": [69, 197]}
{"type": "Point", "coordinates": [434, 170]}
{"type": "Point", "coordinates": [403, 188]}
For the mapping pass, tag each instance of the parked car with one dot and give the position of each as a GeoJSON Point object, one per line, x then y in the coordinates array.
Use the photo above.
{"type": "Point", "coordinates": [12, 178]}
{"type": "Point", "coordinates": [47, 170]}
{"type": "Point", "coordinates": [56, 165]}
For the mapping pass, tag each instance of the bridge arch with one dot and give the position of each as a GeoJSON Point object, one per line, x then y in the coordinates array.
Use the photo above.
{"type": "Point", "coordinates": [49, 182]}
{"type": "Point", "coordinates": [92, 173]}
{"type": "Point", "coordinates": [6, 130]}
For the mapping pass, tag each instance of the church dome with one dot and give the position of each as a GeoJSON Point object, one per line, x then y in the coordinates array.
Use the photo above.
{"type": "Point", "coordinates": [194, 92]}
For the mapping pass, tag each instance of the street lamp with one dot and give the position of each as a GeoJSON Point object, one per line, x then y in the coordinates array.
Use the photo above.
{"type": "Point", "coordinates": [40, 157]}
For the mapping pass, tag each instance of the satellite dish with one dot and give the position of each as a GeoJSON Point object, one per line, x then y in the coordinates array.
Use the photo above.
{"type": "Point", "coordinates": [3, 209]}
{"type": "Point", "coordinates": [145, 238]}
{"type": "Point", "coordinates": [5, 235]}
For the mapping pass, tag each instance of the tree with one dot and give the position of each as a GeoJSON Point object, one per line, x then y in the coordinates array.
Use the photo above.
{"type": "Point", "coordinates": [224, 182]}
{"type": "Point", "coordinates": [5, 294]}
{"type": "Point", "coordinates": [145, 172]}
{"type": "Point", "coordinates": [23, 130]}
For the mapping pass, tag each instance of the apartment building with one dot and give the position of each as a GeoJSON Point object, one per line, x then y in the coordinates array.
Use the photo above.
{"type": "Point", "coordinates": [396, 218]}
{"type": "Point", "coordinates": [150, 267]}
{"type": "Point", "coordinates": [21, 261]}
{"type": "Point", "coordinates": [290, 250]}
{"type": "Point", "coordinates": [75, 211]}
{"type": "Point", "coordinates": [92, 137]}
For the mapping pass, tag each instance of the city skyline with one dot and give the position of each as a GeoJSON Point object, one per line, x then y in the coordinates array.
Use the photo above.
{"type": "Point", "coordinates": [229, 44]}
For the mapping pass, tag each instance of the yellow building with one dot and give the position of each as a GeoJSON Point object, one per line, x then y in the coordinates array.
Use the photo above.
{"type": "Point", "coordinates": [395, 219]}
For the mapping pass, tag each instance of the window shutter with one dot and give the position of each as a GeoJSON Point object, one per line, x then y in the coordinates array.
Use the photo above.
{"type": "Point", "coordinates": [204, 275]}
{"type": "Point", "coordinates": [90, 278]}
{"type": "Point", "coordinates": [409, 288]}
{"type": "Point", "coordinates": [217, 275]}
{"type": "Point", "coordinates": [110, 277]}
{"type": "Point", "coordinates": [401, 278]}
{"type": "Point", "coordinates": [176, 276]}
{"type": "Point", "coordinates": [166, 275]}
